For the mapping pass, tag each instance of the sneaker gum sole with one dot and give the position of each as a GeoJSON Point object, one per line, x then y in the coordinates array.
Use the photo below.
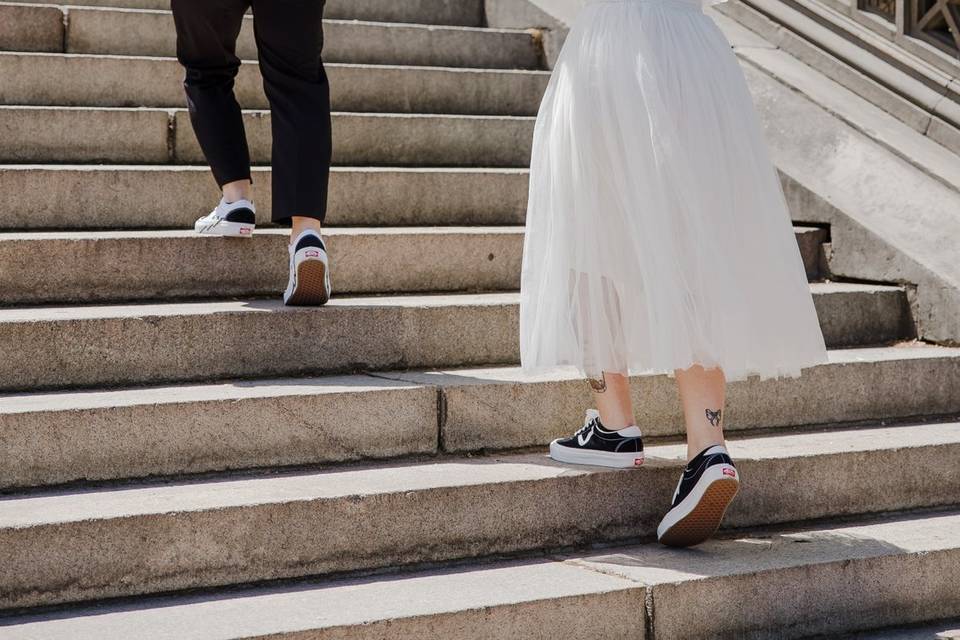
{"type": "Point", "coordinates": [311, 287]}
{"type": "Point", "coordinates": [704, 520]}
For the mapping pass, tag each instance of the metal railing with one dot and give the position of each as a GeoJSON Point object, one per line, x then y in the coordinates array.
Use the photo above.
{"type": "Point", "coordinates": [936, 22]}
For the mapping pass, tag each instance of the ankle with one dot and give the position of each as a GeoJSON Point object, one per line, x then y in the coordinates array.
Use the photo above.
{"type": "Point", "coordinates": [238, 190]}
{"type": "Point", "coordinates": [301, 224]}
{"type": "Point", "coordinates": [696, 447]}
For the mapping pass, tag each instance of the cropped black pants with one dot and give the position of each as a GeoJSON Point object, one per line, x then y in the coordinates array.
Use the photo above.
{"type": "Point", "coordinates": [289, 37]}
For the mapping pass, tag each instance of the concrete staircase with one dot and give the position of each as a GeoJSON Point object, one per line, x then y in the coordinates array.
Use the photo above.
{"type": "Point", "coordinates": [185, 458]}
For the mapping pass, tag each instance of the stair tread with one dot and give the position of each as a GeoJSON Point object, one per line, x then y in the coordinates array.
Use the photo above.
{"type": "Point", "coordinates": [233, 490]}
{"type": "Point", "coordinates": [758, 562]}
{"type": "Point", "coordinates": [24, 402]}
{"type": "Point", "coordinates": [190, 234]}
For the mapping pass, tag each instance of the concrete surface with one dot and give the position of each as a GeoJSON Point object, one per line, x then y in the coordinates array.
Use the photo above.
{"type": "Point", "coordinates": [110, 196]}
{"type": "Point", "coordinates": [142, 265]}
{"type": "Point", "coordinates": [138, 265]}
{"type": "Point", "coordinates": [100, 435]}
{"type": "Point", "coordinates": [784, 585]}
{"type": "Point", "coordinates": [151, 33]}
{"type": "Point", "coordinates": [391, 140]}
{"type": "Point", "coordinates": [481, 603]}
{"type": "Point", "coordinates": [946, 630]}
{"type": "Point", "coordinates": [31, 28]}
{"type": "Point", "coordinates": [882, 229]}
{"type": "Point", "coordinates": [441, 12]}
{"type": "Point", "coordinates": [857, 384]}
{"type": "Point", "coordinates": [51, 347]}
{"type": "Point", "coordinates": [124, 81]}
{"type": "Point", "coordinates": [139, 431]}
{"type": "Point", "coordinates": [798, 584]}
{"type": "Point", "coordinates": [32, 134]}
{"type": "Point", "coordinates": [82, 544]}
{"type": "Point", "coordinates": [153, 136]}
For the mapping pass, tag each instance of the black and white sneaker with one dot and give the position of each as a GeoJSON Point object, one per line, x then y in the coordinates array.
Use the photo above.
{"type": "Point", "coordinates": [593, 444]}
{"type": "Point", "coordinates": [309, 283]}
{"type": "Point", "coordinates": [706, 489]}
{"type": "Point", "coordinates": [230, 219]}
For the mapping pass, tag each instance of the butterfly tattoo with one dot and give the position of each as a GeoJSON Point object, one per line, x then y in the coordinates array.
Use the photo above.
{"type": "Point", "coordinates": [713, 417]}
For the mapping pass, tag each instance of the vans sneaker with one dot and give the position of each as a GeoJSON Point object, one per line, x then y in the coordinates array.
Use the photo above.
{"type": "Point", "coordinates": [707, 487]}
{"type": "Point", "coordinates": [593, 444]}
{"type": "Point", "coordinates": [230, 219]}
{"type": "Point", "coordinates": [309, 283]}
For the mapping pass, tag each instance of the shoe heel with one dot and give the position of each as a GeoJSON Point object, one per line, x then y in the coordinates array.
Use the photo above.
{"type": "Point", "coordinates": [311, 284]}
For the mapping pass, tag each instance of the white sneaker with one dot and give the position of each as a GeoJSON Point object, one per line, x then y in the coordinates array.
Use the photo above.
{"type": "Point", "coordinates": [232, 220]}
{"type": "Point", "coordinates": [309, 283]}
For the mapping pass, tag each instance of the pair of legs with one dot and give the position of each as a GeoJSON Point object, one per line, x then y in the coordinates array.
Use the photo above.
{"type": "Point", "coordinates": [702, 395]}
{"type": "Point", "coordinates": [289, 37]}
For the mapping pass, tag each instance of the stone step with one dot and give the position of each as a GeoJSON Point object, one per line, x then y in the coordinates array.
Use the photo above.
{"type": "Point", "coordinates": [944, 630]}
{"type": "Point", "coordinates": [825, 579]}
{"type": "Point", "coordinates": [52, 29]}
{"type": "Point", "coordinates": [117, 266]}
{"type": "Point", "coordinates": [467, 13]}
{"type": "Point", "coordinates": [157, 136]}
{"type": "Point", "coordinates": [122, 197]}
{"type": "Point", "coordinates": [101, 542]}
{"type": "Point", "coordinates": [51, 79]}
{"type": "Point", "coordinates": [55, 347]}
{"type": "Point", "coordinates": [61, 437]}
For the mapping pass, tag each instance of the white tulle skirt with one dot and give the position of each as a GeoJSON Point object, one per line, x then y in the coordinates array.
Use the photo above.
{"type": "Point", "coordinates": [658, 236]}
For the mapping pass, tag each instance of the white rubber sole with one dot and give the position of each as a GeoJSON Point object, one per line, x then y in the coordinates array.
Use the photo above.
{"type": "Point", "coordinates": [226, 229]}
{"type": "Point", "coordinates": [595, 458]}
{"type": "Point", "coordinates": [699, 515]}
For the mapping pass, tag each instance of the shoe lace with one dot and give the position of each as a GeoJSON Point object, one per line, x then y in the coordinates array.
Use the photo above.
{"type": "Point", "coordinates": [589, 426]}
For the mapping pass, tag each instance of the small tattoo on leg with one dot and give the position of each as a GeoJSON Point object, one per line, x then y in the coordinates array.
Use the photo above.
{"type": "Point", "coordinates": [713, 417]}
{"type": "Point", "coordinates": [599, 385]}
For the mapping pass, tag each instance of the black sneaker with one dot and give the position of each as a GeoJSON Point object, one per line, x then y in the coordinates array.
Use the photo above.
{"type": "Point", "coordinates": [593, 444]}
{"type": "Point", "coordinates": [706, 489]}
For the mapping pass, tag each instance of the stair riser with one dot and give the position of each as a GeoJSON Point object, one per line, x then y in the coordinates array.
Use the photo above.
{"type": "Point", "coordinates": [155, 82]}
{"type": "Point", "coordinates": [114, 197]}
{"type": "Point", "coordinates": [153, 34]}
{"type": "Point", "coordinates": [828, 394]}
{"type": "Point", "coordinates": [149, 349]}
{"type": "Point", "coordinates": [137, 437]}
{"type": "Point", "coordinates": [467, 13]}
{"type": "Point", "coordinates": [31, 28]}
{"type": "Point", "coordinates": [132, 350]}
{"type": "Point", "coordinates": [823, 599]}
{"type": "Point", "coordinates": [391, 141]}
{"type": "Point", "coordinates": [156, 137]}
{"type": "Point", "coordinates": [112, 269]}
{"type": "Point", "coordinates": [330, 420]}
{"type": "Point", "coordinates": [125, 556]}
{"type": "Point", "coordinates": [184, 267]}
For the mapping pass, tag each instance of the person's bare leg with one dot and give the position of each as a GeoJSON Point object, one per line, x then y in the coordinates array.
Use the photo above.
{"type": "Point", "coordinates": [707, 488]}
{"type": "Point", "coordinates": [238, 190]}
{"type": "Point", "coordinates": [612, 397]}
{"type": "Point", "coordinates": [702, 394]}
{"type": "Point", "coordinates": [301, 224]}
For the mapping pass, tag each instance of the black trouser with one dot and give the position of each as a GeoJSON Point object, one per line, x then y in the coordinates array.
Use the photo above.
{"type": "Point", "coordinates": [289, 36]}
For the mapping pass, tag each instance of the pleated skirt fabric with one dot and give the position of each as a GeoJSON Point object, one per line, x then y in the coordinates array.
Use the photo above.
{"type": "Point", "coordinates": [657, 234]}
